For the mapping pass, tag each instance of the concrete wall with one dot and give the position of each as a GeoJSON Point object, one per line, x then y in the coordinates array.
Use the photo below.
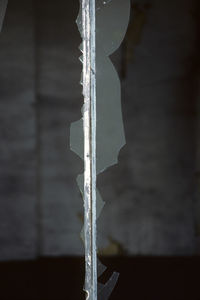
{"type": "Point", "coordinates": [18, 201]}
{"type": "Point", "coordinates": [150, 195]}
{"type": "Point", "coordinates": [151, 198]}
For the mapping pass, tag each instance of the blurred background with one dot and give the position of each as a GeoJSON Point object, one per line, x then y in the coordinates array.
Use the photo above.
{"type": "Point", "coordinates": [149, 229]}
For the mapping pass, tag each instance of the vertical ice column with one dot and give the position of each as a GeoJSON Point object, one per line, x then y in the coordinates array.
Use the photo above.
{"type": "Point", "coordinates": [102, 25]}
{"type": "Point", "coordinates": [89, 125]}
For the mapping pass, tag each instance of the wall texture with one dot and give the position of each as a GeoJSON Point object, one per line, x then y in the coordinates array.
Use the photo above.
{"type": "Point", "coordinates": [18, 216]}
{"type": "Point", "coordinates": [151, 199]}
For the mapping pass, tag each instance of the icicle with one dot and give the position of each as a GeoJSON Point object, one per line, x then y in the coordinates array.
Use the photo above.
{"type": "Point", "coordinates": [98, 137]}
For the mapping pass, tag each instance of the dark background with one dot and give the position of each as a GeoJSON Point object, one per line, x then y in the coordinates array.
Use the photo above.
{"type": "Point", "coordinates": [149, 228]}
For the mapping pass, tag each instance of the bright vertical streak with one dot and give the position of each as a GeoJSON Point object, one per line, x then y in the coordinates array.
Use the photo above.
{"type": "Point", "coordinates": [93, 141]}
{"type": "Point", "coordinates": [89, 123]}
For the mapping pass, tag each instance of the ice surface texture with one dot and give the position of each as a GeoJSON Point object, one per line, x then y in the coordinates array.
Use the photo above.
{"type": "Point", "coordinates": [112, 17]}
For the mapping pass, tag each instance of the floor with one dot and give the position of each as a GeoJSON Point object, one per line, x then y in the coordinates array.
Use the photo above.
{"type": "Point", "coordinates": [141, 278]}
